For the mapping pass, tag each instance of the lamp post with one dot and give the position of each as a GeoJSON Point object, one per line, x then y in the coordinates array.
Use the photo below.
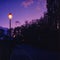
{"type": "Point", "coordinates": [10, 18]}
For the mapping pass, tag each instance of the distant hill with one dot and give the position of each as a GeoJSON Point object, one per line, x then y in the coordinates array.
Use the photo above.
{"type": "Point", "coordinates": [5, 29]}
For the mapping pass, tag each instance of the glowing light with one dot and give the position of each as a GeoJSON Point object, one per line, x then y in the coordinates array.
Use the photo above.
{"type": "Point", "coordinates": [57, 25]}
{"type": "Point", "coordinates": [10, 16]}
{"type": "Point", "coordinates": [14, 36]}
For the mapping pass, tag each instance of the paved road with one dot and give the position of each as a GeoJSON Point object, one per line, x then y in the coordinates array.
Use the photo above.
{"type": "Point", "coordinates": [26, 52]}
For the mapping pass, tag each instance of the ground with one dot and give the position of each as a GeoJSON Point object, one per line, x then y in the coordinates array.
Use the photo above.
{"type": "Point", "coordinates": [27, 52]}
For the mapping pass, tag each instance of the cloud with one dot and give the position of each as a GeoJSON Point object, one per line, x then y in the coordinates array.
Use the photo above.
{"type": "Point", "coordinates": [38, 8]}
{"type": "Point", "coordinates": [27, 3]}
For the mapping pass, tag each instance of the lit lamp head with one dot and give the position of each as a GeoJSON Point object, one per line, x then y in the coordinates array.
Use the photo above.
{"type": "Point", "coordinates": [10, 16]}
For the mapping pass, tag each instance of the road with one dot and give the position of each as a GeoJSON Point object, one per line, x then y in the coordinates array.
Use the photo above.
{"type": "Point", "coordinates": [27, 52]}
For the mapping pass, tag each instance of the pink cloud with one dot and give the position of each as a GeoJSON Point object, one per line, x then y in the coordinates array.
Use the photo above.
{"type": "Point", "coordinates": [27, 3]}
{"type": "Point", "coordinates": [39, 5]}
{"type": "Point", "coordinates": [38, 8]}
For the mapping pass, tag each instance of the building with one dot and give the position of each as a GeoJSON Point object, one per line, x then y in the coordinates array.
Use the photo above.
{"type": "Point", "coordinates": [53, 8]}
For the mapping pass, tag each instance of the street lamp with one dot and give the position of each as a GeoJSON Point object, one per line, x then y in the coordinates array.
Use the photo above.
{"type": "Point", "coordinates": [10, 18]}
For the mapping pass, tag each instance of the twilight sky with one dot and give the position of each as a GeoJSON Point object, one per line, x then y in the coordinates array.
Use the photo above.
{"type": "Point", "coordinates": [22, 10]}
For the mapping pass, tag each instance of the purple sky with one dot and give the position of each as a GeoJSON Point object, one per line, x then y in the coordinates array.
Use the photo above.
{"type": "Point", "coordinates": [22, 10]}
